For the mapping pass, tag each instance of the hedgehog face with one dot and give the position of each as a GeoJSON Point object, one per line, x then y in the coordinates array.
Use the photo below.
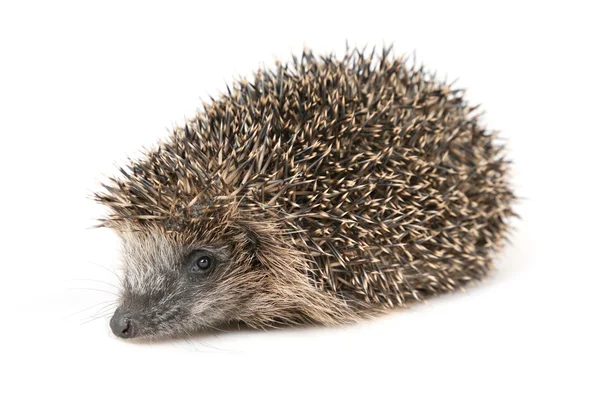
{"type": "Point", "coordinates": [174, 285]}
{"type": "Point", "coordinates": [232, 270]}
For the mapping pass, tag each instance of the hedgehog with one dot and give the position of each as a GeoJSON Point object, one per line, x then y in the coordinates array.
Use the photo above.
{"type": "Point", "coordinates": [321, 191]}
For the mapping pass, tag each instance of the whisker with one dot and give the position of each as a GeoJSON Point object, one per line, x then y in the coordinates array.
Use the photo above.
{"type": "Point", "coordinates": [106, 268]}
{"type": "Point", "coordinates": [102, 311]}
{"type": "Point", "coordinates": [89, 308]}
{"type": "Point", "coordinates": [95, 290]}
{"type": "Point", "coordinates": [99, 281]}
{"type": "Point", "coordinates": [97, 317]}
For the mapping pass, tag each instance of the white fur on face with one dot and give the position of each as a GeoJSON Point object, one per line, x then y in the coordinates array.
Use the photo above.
{"type": "Point", "coordinates": [148, 258]}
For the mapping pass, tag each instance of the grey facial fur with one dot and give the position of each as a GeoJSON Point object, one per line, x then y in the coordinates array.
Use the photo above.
{"type": "Point", "coordinates": [162, 295]}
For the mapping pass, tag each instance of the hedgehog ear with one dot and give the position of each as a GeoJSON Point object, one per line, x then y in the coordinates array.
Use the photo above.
{"type": "Point", "coordinates": [248, 236]}
{"type": "Point", "coordinates": [252, 243]}
{"type": "Point", "coordinates": [252, 239]}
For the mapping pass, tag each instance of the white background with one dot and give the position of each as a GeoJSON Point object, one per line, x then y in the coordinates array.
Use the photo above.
{"type": "Point", "coordinates": [84, 86]}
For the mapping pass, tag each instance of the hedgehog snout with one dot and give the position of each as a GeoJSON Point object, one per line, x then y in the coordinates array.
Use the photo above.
{"type": "Point", "coordinates": [123, 324]}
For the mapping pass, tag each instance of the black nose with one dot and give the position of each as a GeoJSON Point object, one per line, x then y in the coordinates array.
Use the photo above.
{"type": "Point", "coordinates": [122, 325]}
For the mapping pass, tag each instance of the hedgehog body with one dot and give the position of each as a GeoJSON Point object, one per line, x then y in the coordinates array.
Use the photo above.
{"type": "Point", "coordinates": [321, 191]}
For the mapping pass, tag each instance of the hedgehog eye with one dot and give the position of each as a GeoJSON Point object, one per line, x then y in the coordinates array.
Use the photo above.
{"type": "Point", "coordinates": [202, 264]}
